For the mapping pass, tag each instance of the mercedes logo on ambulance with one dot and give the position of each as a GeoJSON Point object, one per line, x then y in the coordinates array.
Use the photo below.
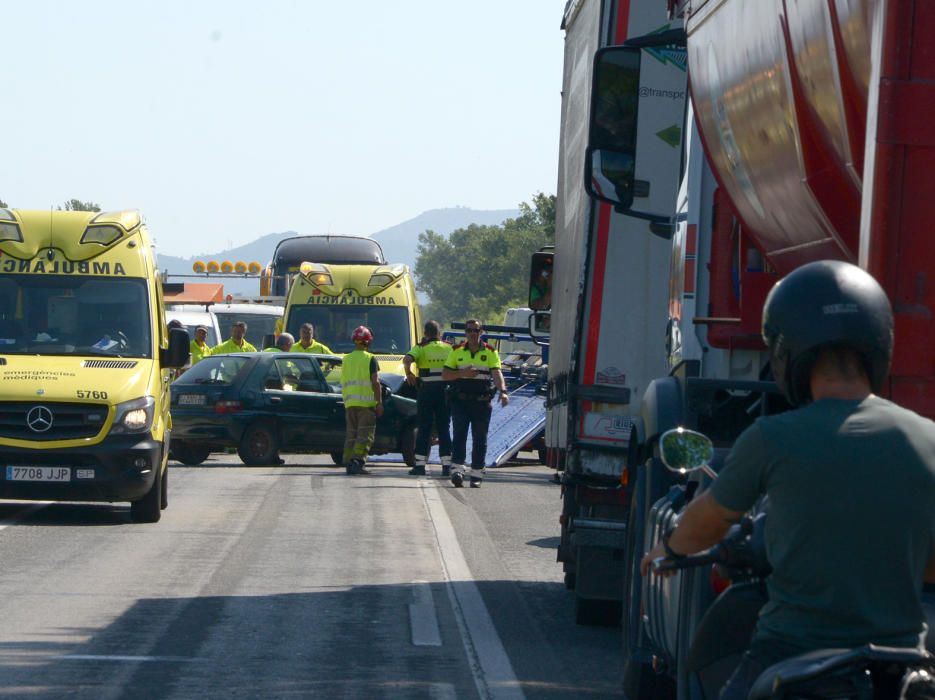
{"type": "Point", "coordinates": [39, 419]}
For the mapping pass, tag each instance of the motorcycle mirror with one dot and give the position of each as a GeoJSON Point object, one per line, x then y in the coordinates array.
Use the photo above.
{"type": "Point", "coordinates": [685, 451]}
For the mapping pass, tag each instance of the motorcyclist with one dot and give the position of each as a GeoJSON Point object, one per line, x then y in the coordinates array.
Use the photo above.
{"type": "Point", "coordinates": [850, 479]}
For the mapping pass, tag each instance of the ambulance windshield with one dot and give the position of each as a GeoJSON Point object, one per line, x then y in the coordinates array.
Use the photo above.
{"type": "Point", "coordinates": [70, 315]}
{"type": "Point", "coordinates": [334, 325]}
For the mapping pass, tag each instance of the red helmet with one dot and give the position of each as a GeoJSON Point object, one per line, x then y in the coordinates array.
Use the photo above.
{"type": "Point", "coordinates": [362, 334]}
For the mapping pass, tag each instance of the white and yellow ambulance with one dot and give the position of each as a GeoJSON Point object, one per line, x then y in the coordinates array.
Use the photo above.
{"type": "Point", "coordinates": [85, 360]}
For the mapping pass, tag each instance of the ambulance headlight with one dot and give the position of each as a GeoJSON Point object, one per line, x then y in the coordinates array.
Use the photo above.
{"type": "Point", "coordinates": [10, 232]}
{"type": "Point", "coordinates": [102, 235]}
{"type": "Point", "coordinates": [134, 416]}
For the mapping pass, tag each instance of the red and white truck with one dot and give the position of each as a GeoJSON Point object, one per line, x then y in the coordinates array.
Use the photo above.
{"type": "Point", "coordinates": [805, 137]}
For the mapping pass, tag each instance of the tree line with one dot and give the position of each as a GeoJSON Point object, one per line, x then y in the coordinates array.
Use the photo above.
{"type": "Point", "coordinates": [69, 205]}
{"type": "Point", "coordinates": [481, 271]}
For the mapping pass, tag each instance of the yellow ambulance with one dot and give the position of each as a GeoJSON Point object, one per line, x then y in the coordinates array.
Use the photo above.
{"type": "Point", "coordinates": [85, 360]}
{"type": "Point", "coordinates": [337, 298]}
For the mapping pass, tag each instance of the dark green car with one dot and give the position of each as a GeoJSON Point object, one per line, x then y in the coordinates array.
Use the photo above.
{"type": "Point", "coordinates": [265, 402]}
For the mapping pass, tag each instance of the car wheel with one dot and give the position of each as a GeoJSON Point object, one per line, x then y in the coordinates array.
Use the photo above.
{"type": "Point", "coordinates": [337, 458]}
{"type": "Point", "coordinates": [407, 445]}
{"type": "Point", "coordinates": [188, 454]}
{"type": "Point", "coordinates": [259, 445]}
{"type": "Point", "coordinates": [148, 508]}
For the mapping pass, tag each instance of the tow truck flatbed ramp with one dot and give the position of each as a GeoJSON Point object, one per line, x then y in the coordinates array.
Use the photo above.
{"type": "Point", "coordinates": [511, 427]}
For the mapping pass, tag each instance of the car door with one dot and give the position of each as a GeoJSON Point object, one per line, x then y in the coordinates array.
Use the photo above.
{"type": "Point", "coordinates": [305, 406]}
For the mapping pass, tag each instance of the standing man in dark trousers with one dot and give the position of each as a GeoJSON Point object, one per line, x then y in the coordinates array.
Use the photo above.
{"type": "Point", "coordinates": [473, 368]}
{"type": "Point", "coordinates": [432, 406]}
{"type": "Point", "coordinates": [363, 400]}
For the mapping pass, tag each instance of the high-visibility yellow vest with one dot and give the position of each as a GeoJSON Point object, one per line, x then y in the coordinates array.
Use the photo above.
{"type": "Point", "coordinates": [355, 380]}
{"type": "Point", "coordinates": [430, 359]}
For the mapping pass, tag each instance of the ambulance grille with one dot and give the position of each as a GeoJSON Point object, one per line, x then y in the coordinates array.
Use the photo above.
{"type": "Point", "coordinates": [109, 364]}
{"type": "Point", "coordinates": [69, 421]}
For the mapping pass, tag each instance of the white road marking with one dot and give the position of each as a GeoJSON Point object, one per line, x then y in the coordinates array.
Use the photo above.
{"type": "Point", "coordinates": [442, 691]}
{"type": "Point", "coordinates": [422, 617]}
{"type": "Point", "coordinates": [21, 515]}
{"type": "Point", "coordinates": [134, 659]}
{"type": "Point", "coordinates": [490, 665]}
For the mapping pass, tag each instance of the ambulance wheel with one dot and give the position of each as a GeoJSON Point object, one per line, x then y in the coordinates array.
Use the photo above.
{"type": "Point", "coordinates": [337, 457]}
{"type": "Point", "coordinates": [259, 445]}
{"type": "Point", "coordinates": [407, 445]}
{"type": "Point", "coordinates": [148, 508]}
{"type": "Point", "coordinates": [188, 454]}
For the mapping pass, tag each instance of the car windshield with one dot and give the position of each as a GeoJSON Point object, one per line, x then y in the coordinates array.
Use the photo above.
{"type": "Point", "coordinates": [334, 325]}
{"type": "Point", "coordinates": [221, 370]}
{"type": "Point", "coordinates": [258, 325]}
{"type": "Point", "coordinates": [74, 315]}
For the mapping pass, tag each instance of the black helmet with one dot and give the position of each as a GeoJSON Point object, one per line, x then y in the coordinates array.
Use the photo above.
{"type": "Point", "coordinates": [826, 303]}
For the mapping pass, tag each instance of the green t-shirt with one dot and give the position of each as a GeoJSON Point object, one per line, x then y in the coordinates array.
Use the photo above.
{"type": "Point", "coordinates": [851, 524]}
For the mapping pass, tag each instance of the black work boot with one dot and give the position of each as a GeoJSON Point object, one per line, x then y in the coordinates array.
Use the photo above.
{"type": "Point", "coordinates": [446, 470]}
{"type": "Point", "coordinates": [356, 466]}
{"type": "Point", "coordinates": [475, 482]}
{"type": "Point", "coordinates": [418, 470]}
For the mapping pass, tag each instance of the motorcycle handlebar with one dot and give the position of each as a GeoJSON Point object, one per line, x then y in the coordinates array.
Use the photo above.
{"type": "Point", "coordinates": [715, 555]}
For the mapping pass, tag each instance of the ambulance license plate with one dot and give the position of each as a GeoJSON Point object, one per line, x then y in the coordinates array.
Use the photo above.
{"type": "Point", "coordinates": [38, 474]}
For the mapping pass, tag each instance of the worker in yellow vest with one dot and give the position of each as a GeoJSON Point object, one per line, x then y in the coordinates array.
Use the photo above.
{"type": "Point", "coordinates": [473, 368]}
{"type": "Point", "coordinates": [199, 347]}
{"type": "Point", "coordinates": [363, 401]}
{"type": "Point", "coordinates": [429, 357]}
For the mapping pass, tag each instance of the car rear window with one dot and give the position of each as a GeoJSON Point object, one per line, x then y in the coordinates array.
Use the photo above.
{"type": "Point", "coordinates": [221, 370]}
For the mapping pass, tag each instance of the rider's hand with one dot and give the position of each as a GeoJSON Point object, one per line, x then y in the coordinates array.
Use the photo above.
{"type": "Point", "coordinates": [468, 373]}
{"type": "Point", "coordinates": [411, 379]}
{"type": "Point", "coordinates": [646, 563]}
{"type": "Point", "coordinates": [504, 398]}
{"type": "Point", "coordinates": [379, 409]}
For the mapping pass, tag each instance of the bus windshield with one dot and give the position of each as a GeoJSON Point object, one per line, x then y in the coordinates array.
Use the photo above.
{"type": "Point", "coordinates": [334, 325]}
{"type": "Point", "coordinates": [61, 315]}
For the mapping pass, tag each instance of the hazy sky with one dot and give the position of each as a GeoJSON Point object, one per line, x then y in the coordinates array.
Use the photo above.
{"type": "Point", "coordinates": [223, 121]}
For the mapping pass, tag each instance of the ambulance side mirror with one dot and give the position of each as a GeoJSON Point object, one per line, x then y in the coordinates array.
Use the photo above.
{"type": "Point", "coordinates": [177, 354]}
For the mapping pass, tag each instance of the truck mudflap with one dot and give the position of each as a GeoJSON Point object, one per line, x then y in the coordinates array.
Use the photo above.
{"type": "Point", "coordinates": [594, 532]}
{"type": "Point", "coordinates": [511, 427]}
{"type": "Point", "coordinates": [117, 469]}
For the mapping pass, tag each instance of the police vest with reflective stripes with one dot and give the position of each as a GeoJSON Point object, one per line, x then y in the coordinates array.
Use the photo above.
{"type": "Point", "coordinates": [485, 359]}
{"type": "Point", "coordinates": [355, 380]}
{"type": "Point", "coordinates": [430, 360]}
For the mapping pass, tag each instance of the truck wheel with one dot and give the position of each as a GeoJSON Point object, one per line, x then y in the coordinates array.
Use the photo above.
{"type": "Point", "coordinates": [259, 445]}
{"type": "Point", "coordinates": [641, 681]}
{"type": "Point", "coordinates": [407, 445]}
{"type": "Point", "coordinates": [338, 458]}
{"type": "Point", "coordinates": [148, 508]}
{"type": "Point", "coordinates": [596, 612]}
{"type": "Point", "coordinates": [188, 454]}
